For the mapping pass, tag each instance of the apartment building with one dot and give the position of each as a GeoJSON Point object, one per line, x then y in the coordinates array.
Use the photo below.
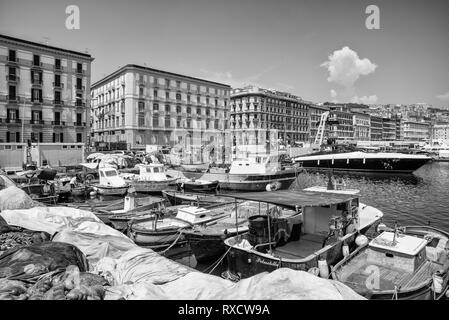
{"type": "Point", "coordinates": [342, 123]}
{"type": "Point", "coordinates": [361, 124]}
{"type": "Point", "coordinates": [376, 128]}
{"type": "Point", "coordinates": [415, 131]}
{"type": "Point", "coordinates": [138, 106]}
{"type": "Point", "coordinates": [388, 129]}
{"type": "Point", "coordinates": [44, 91]}
{"type": "Point", "coordinates": [440, 133]}
{"type": "Point", "coordinates": [257, 114]}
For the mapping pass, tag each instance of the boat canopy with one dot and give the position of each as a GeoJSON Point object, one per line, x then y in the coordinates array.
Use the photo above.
{"type": "Point", "coordinates": [294, 199]}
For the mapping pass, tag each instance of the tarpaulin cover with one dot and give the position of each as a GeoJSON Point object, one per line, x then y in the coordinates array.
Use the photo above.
{"type": "Point", "coordinates": [15, 198]}
{"type": "Point", "coordinates": [282, 283]}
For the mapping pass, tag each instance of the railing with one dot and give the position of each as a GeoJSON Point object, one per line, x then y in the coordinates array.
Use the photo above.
{"type": "Point", "coordinates": [12, 77]}
{"type": "Point", "coordinates": [37, 101]}
{"type": "Point", "coordinates": [80, 104]}
{"type": "Point", "coordinates": [58, 85]}
{"type": "Point", "coordinates": [12, 98]}
{"type": "Point", "coordinates": [32, 121]}
{"type": "Point", "coordinates": [36, 82]}
{"type": "Point", "coordinates": [58, 102]}
{"type": "Point", "coordinates": [58, 123]}
{"type": "Point", "coordinates": [13, 120]}
{"type": "Point", "coordinates": [79, 124]}
{"type": "Point", "coordinates": [15, 60]}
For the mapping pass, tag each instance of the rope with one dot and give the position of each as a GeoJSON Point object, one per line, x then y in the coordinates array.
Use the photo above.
{"type": "Point", "coordinates": [216, 263]}
{"type": "Point", "coordinates": [176, 240]}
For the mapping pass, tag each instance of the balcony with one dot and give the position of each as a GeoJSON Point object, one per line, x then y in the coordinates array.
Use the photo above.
{"type": "Point", "coordinates": [80, 71]}
{"type": "Point", "coordinates": [12, 78]}
{"type": "Point", "coordinates": [12, 61]}
{"type": "Point", "coordinates": [80, 104]}
{"type": "Point", "coordinates": [58, 85]}
{"type": "Point", "coordinates": [58, 68]}
{"type": "Point", "coordinates": [36, 82]}
{"type": "Point", "coordinates": [12, 98]}
{"type": "Point", "coordinates": [37, 122]}
{"type": "Point", "coordinates": [58, 103]}
{"type": "Point", "coordinates": [13, 121]}
{"type": "Point", "coordinates": [37, 66]}
{"type": "Point", "coordinates": [79, 124]}
{"type": "Point", "coordinates": [37, 101]}
{"type": "Point", "coordinates": [58, 123]}
{"type": "Point", "coordinates": [80, 88]}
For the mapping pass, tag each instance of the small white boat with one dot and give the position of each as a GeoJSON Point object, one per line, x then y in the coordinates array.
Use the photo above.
{"type": "Point", "coordinates": [151, 178]}
{"type": "Point", "coordinates": [110, 183]}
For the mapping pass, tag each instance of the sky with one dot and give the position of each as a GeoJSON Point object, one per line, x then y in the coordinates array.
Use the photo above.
{"type": "Point", "coordinates": [320, 50]}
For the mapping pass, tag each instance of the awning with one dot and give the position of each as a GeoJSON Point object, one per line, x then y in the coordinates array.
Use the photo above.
{"type": "Point", "coordinates": [293, 199]}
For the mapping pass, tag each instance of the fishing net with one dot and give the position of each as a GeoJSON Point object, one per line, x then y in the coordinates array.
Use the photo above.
{"type": "Point", "coordinates": [28, 263]}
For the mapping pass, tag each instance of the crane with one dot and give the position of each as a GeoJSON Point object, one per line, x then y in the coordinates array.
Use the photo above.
{"type": "Point", "coordinates": [320, 131]}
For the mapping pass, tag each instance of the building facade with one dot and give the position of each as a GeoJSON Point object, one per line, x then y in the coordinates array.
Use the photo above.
{"type": "Point", "coordinates": [440, 133]}
{"type": "Point", "coordinates": [361, 123]}
{"type": "Point", "coordinates": [257, 113]}
{"type": "Point", "coordinates": [342, 127]}
{"type": "Point", "coordinates": [415, 131]}
{"type": "Point", "coordinates": [44, 92]}
{"type": "Point", "coordinates": [388, 129]}
{"type": "Point", "coordinates": [376, 128]}
{"type": "Point", "coordinates": [140, 106]}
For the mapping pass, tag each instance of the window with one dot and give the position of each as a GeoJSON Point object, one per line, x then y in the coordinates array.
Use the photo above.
{"type": "Point", "coordinates": [155, 121]}
{"type": "Point", "coordinates": [41, 137]}
{"type": "Point", "coordinates": [155, 107]}
{"type": "Point", "coordinates": [57, 117]}
{"type": "Point", "coordinates": [198, 99]}
{"type": "Point", "coordinates": [13, 114]}
{"type": "Point", "coordinates": [167, 121]}
{"type": "Point", "coordinates": [155, 93]}
{"type": "Point", "coordinates": [216, 102]}
{"type": "Point", "coordinates": [36, 77]}
{"type": "Point", "coordinates": [79, 67]}
{"type": "Point", "coordinates": [188, 98]}
{"type": "Point", "coordinates": [207, 101]}
{"type": "Point", "coordinates": [18, 137]}
{"type": "Point", "coordinates": [61, 137]}
{"type": "Point", "coordinates": [57, 80]}
{"type": "Point", "coordinates": [36, 116]}
{"type": "Point", "coordinates": [141, 91]}
{"type": "Point", "coordinates": [167, 82]}
{"type": "Point", "coordinates": [178, 122]}
{"type": "Point", "coordinates": [36, 95]}
{"type": "Point", "coordinates": [178, 84]}
{"type": "Point", "coordinates": [12, 74]}
{"type": "Point", "coordinates": [189, 110]}
{"type": "Point", "coordinates": [57, 96]}
{"type": "Point", "coordinates": [79, 137]}
{"type": "Point", "coordinates": [178, 109]}
{"type": "Point", "coordinates": [12, 55]}
{"type": "Point", "coordinates": [79, 117]}
{"type": "Point", "coordinates": [79, 84]}
{"type": "Point", "coordinates": [58, 64]}
{"type": "Point", "coordinates": [12, 93]}
{"type": "Point", "coordinates": [167, 95]}
{"type": "Point", "coordinates": [36, 60]}
{"type": "Point", "coordinates": [198, 111]}
{"type": "Point", "coordinates": [141, 106]}
{"type": "Point", "coordinates": [167, 108]}
{"type": "Point", "coordinates": [141, 121]}
{"type": "Point", "coordinates": [178, 96]}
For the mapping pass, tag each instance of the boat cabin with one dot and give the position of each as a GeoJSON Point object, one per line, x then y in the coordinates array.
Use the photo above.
{"type": "Point", "coordinates": [110, 177]}
{"type": "Point", "coordinates": [256, 164]}
{"type": "Point", "coordinates": [153, 172]}
{"type": "Point", "coordinates": [195, 215]}
{"type": "Point", "coordinates": [325, 218]}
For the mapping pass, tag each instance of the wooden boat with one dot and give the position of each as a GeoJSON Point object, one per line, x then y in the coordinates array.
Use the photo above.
{"type": "Point", "coordinates": [402, 263]}
{"type": "Point", "coordinates": [199, 199]}
{"type": "Point", "coordinates": [327, 221]}
{"type": "Point", "coordinates": [206, 241]}
{"type": "Point", "coordinates": [110, 183]}
{"type": "Point", "coordinates": [152, 178]}
{"type": "Point", "coordinates": [255, 173]}
{"type": "Point", "coordinates": [197, 185]}
{"type": "Point", "coordinates": [166, 232]}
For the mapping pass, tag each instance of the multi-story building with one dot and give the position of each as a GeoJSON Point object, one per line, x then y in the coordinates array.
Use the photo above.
{"type": "Point", "coordinates": [361, 124]}
{"type": "Point", "coordinates": [315, 112]}
{"type": "Point", "coordinates": [342, 127]}
{"type": "Point", "coordinates": [440, 133]}
{"type": "Point", "coordinates": [44, 92]}
{"type": "Point", "coordinates": [255, 112]}
{"type": "Point", "coordinates": [388, 129]}
{"type": "Point", "coordinates": [376, 128]}
{"type": "Point", "coordinates": [415, 131]}
{"type": "Point", "coordinates": [138, 106]}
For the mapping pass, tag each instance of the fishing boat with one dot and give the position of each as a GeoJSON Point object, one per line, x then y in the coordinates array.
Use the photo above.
{"type": "Point", "coordinates": [404, 263]}
{"type": "Point", "coordinates": [328, 222]}
{"type": "Point", "coordinates": [151, 178]}
{"type": "Point", "coordinates": [366, 162]}
{"type": "Point", "coordinates": [254, 173]}
{"type": "Point", "coordinates": [161, 233]}
{"type": "Point", "coordinates": [197, 185]}
{"type": "Point", "coordinates": [206, 241]}
{"type": "Point", "coordinates": [200, 199]}
{"type": "Point", "coordinates": [110, 183]}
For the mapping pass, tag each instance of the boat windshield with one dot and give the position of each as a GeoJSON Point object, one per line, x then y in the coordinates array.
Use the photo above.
{"type": "Point", "coordinates": [110, 173]}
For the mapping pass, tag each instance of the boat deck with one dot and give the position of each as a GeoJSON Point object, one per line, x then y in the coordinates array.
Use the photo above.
{"type": "Point", "coordinates": [359, 275]}
{"type": "Point", "coordinates": [305, 246]}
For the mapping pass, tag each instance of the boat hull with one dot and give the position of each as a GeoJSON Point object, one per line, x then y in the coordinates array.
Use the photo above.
{"type": "Point", "coordinates": [376, 165]}
{"type": "Point", "coordinates": [242, 182]}
{"type": "Point", "coordinates": [151, 186]}
{"type": "Point", "coordinates": [207, 247]}
{"type": "Point", "coordinates": [111, 191]}
{"type": "Point", "coordinates": [193, 187]}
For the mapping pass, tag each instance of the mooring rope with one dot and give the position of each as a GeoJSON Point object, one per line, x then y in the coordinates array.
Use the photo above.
{"type": "Point", "coordinates": [216, 263]}
{"type": "Point", "coordinates": [176, 240]}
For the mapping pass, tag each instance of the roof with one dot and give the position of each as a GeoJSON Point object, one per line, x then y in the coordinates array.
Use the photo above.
{"type": "Point", "coordinates": [134, 66]}
{"type": "Point", "coordinates": [294, 199]}
{"type": "Point", "coordinates": [405, 244]}
{"type": "Point", "coordinates": [45, 46]}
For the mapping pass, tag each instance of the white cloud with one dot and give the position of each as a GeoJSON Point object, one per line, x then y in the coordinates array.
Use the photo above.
{"type": "Point", "coordinates": [345, 68]}
{"type": "Point", "coordinates": [333, 93]}
{"type": "Point", "coordinates": [444, 96]}
{"type": "Point", "coordinates": [365, 99]}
